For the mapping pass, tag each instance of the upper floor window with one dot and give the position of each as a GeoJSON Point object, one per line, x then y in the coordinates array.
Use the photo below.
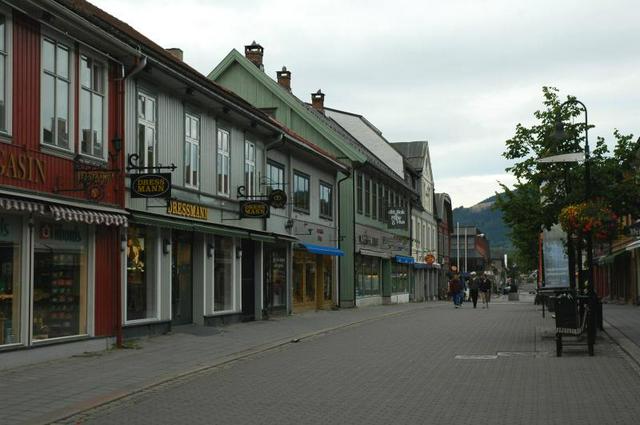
{"type": "Point", "coordinates": [5, 73]}
{"type": "Point", "coordinates": [381, 203]}
{"type": "Point", "coordinates": [146, 130]}
{"type": "Point", "coordinates": [301, 191]}
{"type": "Point", "coordinates": [55, 94]}
{"type": "Point", "coordinates": [93, 111]}
{"type": "Point", "coordinates": [250, 168]}
{"type": "Point", "coordinates": [191, 150]}
{"type": "Point", "coordinates": [223, 162]}
{"type": "Point", "coordinates": [374, 201]}
{"type": "Point", "coordinates": [359, 195]}
{"type": "Point", "coordinates": [275, 176]}
{"type": "Point", "coordinates": [367, 196]}
{"type": "Point", "coordinates": [326, 200]}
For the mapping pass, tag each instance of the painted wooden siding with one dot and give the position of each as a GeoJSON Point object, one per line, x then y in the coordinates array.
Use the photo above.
{"type": "Point", "coordinates": [25, 143]}
{"type": "Point", "coordinates": [107, 294]}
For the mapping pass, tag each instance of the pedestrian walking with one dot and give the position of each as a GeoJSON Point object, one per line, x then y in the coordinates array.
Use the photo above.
{"type": "Point", "coordinates": [455, 289]}
{"type": "Point", "coordinates": [474, 286]}
{"type": "Point", "coordinates": [484, 285]}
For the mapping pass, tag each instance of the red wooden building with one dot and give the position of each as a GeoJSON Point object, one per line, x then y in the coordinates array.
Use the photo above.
{"type": "Point", "coordinates": [62, 214]}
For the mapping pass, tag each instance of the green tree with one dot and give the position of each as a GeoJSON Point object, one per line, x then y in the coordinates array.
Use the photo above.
{"type": "Point", "coordinates": [543, 189]}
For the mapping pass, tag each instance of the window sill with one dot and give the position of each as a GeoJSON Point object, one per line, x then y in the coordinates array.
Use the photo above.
{"type": "Point", "coordinates": [56, 151]}
{"type": "Point", "coordinates": [92, 160]}
{"type": "Point", "coordinates": [326, 217]}
{"type": "Point", "coordinates": [6, 138]}
{"type": "Point", "coordinates": [301, 211]}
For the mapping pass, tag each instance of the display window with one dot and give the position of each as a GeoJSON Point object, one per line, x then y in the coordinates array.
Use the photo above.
{"type": "Point", "coordinates": [223, 274]}
{"type": "Point", "coordinates": [60, 276]}
{"type": "Point", "coordinates": [10, 279]}
{"type": "Point", "coordinates": [142, 286]}
{"type": "Point", "coordinates": [368, 276]}
{"type": "Point", "coordinates": [327, 277]}
{"type": "Point", "coordinates": [399, 278]}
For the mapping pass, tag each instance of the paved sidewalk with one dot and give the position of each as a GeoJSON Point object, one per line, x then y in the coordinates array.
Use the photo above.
{"type": "Point", "coordinates": [47, 391]}
{"type": "Point", "coordinates": [625, 318]}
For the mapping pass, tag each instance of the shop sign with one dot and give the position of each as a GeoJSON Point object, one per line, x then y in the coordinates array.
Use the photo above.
{"type": "Point", "coordinates": [22, 167]}
{"type": "Point", "coordinates": [155, 185]}
{"type": "Point", "coordinates": [254, 209]}
{"type": "Point", "coordinates": [187, 209]}
{"type": "Point", "coordinates": [397, 218]}
{"type": "Point", "coordinates": [633, 229]}
{"type": "Point", "coordinates": [59, 233]}
{"type": "Point", "coordinates": [365, 239]}
{"type": "Point", "coordinates": [278, 198]}
{"type": "Point", "coordinates": [429, 259]}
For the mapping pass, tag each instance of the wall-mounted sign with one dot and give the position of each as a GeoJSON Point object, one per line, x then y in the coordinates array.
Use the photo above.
{"type": "Point", "coordinates": [397, 218]}
{"type": "Point", "coordinates": [633, 229]}
{"type": "Point", "coordinates": [429, 259]}
{"type": "Point", "coordinates": [187, 209]}
{"type": "Point", "coordinates": [21, 166]}
{"type": "Point", "coordinates": [254, 209]}
{"type": "Point", "coordinates": [278, 198]}
{"type": "Point", "coordinates": [153, 185]}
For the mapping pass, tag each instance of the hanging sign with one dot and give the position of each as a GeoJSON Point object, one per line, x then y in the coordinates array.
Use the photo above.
{"type": "Point", "coordinates": [397, 218]}
{"type": "Point", "coordinates": [254, 209]}
{"type": "Point", "coordinates": [154, 185]}
{"type": "Point", "coordinates": [429, 259]}
{"type": "Point", "coordinates": [278, 198]}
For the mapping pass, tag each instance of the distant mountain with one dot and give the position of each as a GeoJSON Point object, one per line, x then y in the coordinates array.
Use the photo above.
{"type": "Point", "coordinates": [488, 220]}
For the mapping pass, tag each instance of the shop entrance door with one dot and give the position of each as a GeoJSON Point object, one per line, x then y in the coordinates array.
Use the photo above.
{"type": "Point", "coordinates": [305, 276]}
{"type": "Point", "coordinates": [248, 280]}
{"type": "Point", "coordinates": [181, 278]}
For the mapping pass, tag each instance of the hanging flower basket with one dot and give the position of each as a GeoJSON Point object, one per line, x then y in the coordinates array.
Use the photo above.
{"type": "Point", "coordinates": [589, 217]}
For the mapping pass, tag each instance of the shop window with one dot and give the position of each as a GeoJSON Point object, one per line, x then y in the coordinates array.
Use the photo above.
{"type": "Point", "coordinates": [327, 277]}
{"type": "Point", "coordinates": [5, 72]}
{"type": "Point", "coordinates": [301, 192]}
{"type": "Point", "coordinates": [59, 281]}
{"type": "Point", "coordinates": [191, 150]}
{"type": "Point", "coordinates": [250, 168]}
{"type": "Point", "coordinates": [223, 274]}
{"type": "Point", "coordinates": [93, 108]}
{"type": "Point", "coordinates": [223, 162]}
{"type": "Point", "coordinates": [10, 280]}
{"type": "Point", "coordinates": [399, 278]}
{"type": "Point", "coordinates": [275, 176]}
{"type": "Point", "coordinates": [55, 94]}
{"type": "Point", "coordinates": [326, 200]}
{"type": "Point", "coordinates": [275, 277]}
{"type": "Point", "coordinates": [146, 130]}
{"type": "Point", "coordinates": [368, 276]}
{"type": "Point", "coordinates": [142, 292]}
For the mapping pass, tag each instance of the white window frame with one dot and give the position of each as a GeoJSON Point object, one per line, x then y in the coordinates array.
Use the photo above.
{"type": "Point", "coordinates": [192, 141]}
{"type": "Point", "coordinates": [152, 125]}
{"type": "Point", "coordinates": [105, 105]}
{"type": "Point", "coordinates": [250, 168]}
{"type": "Point", "coordinates": [223, 160]}
{"type": "Point", "coordinates": [70, 80]}
{"type": "Point", "coordinates": [271, 185]}
{"type": "Point", "coordinates": [325, 185]}
{"type": "Point", "coordinates": [7, 53]}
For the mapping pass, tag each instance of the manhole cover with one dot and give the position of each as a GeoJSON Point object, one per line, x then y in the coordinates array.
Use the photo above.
{"type": "Point", "coordinates": [476, 357]}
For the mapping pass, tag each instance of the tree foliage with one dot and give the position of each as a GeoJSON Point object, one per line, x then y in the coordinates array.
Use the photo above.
{"type": "Point", "coordinates": [543, 189]}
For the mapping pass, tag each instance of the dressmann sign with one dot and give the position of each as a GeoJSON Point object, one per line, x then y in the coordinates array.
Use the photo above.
{"type": "Point", "coordinates": [156, 185]}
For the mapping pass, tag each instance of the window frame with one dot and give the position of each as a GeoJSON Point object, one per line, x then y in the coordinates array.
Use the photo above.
{"type": "Point", "coordinates": [7, 54]}
{"type": "Point", "coordinates": [189, 143]}
{"type": "Point", "coordinates": [281, 168]}
{"type": "Point", "coordinates": [325, 185]}
{"type": "Point", "coordinates": [304, 176]}
{"type": "Point", "coordinates": [223, 189]}
{"type": "Point", "coordinates": [105, 105]}
{"type": "Point", "coordinates": [153, 125]}
{"type": "Point", "coordinates": [359, 193]}
{"type": "Point", "coordinates": [70, 80]}
{"type": "Point", "coordinates": [250, 187]}
{"type": "Point", "coordinates": [367, 196]}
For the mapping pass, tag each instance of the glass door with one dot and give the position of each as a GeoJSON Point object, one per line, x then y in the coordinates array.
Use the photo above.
{"type": "Point", "coordinates": [181, 279]}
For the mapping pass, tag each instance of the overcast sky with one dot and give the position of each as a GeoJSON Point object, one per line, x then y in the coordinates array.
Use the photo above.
{"type": "Point", "coordinates": [460, 74]}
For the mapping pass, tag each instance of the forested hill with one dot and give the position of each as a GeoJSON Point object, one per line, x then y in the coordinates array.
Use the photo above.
{"type": "Point", "coordinates": [488, 220]}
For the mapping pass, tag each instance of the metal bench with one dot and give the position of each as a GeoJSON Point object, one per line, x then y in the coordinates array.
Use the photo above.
{"type": "Point", "coordinates": [569, 321]}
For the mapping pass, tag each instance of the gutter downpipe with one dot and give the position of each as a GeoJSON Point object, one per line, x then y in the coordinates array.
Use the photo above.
{"type": "Point", "coordinates": [356, 166]}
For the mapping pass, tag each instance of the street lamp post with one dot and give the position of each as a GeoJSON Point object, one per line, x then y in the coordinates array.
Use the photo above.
{"type": "Point", "coordinates": [587, 178]}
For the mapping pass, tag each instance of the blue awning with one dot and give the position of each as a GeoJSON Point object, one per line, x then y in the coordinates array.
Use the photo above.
{"type": "Point", "coordinates": [323, 250]}
{"type": "Point", "coordinates": [404, 260]}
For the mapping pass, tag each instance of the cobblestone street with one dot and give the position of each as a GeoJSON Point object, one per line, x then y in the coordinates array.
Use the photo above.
{"type": "Point", "coordinates": [431, 364]}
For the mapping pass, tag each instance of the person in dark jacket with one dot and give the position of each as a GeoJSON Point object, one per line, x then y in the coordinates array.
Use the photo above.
{"type": "Point", "coordinates": [485, 289]}
{"type": "Point", "coordinates": [455, 289]}
{"type": "Point", "coordinates": [474, 285]}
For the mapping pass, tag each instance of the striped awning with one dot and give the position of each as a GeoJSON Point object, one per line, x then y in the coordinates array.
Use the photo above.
{"type": "Point", "coordinates": [22, 205]}
{"type": "Point", "coordinates": [87, 216]}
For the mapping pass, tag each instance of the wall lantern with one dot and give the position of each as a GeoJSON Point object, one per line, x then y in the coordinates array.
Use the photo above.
{"type": "Point", "coordinates": [209, 250]}
{"type": "Point", "coordinates": [166, 245]}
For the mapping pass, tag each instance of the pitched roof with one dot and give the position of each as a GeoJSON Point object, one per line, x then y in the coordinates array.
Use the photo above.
{"type": "Point", "coordinates": [289, 99]}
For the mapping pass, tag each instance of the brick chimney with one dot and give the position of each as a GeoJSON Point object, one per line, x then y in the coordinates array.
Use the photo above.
{"type": "Point", "coordinates": [254, 53]}
{"type": "Point", "coordinates": [176, 52]}
{"type": "Point", "coordinates": [284, 78]}
{"type": "Point", "coordinates": [317, 101]}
